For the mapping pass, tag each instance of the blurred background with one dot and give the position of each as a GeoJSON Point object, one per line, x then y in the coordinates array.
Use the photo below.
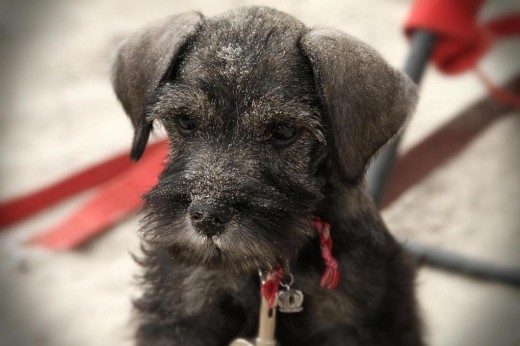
{"type": "Point", "coordinates": [59, 116]}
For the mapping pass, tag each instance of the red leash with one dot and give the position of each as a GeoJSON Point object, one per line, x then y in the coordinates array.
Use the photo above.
{"type": "Point", "coordinates": [121, 184]}
{"type": "Point", "coordinates": [23, 207]}
{"type": "Point", "coordinates": [116, 199]}
{"type": "Point", "coordinates": [499, 93]}
{"type": "Point", "coordinates": [329, 278]}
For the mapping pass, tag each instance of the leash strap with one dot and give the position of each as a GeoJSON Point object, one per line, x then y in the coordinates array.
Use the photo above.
{"type": "Point", "coordinates": [500, 94]}
{"type": "Point", "coordinates": [23, 207]}
{"type": "Point", "coordinates": [114, 200]}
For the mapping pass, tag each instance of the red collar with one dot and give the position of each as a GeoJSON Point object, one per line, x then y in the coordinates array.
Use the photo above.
{"type": "Point", "coordinates": [329, 278]}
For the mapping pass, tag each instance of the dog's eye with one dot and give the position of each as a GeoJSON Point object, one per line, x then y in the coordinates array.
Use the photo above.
{"type": "Point", "coordinates": [186, 124]}
{"type": "Point", "coordinates": [284, 134]}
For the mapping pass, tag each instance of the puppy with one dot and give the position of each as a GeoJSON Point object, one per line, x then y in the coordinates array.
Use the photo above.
{"type": "Point", "coordinates": [271, 124]}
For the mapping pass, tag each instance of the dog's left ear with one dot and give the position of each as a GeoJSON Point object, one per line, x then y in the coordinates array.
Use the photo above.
{"type": "Point", "coordinates": [143, 61]}
{"type": "Point", "coordinates": [365, 100]}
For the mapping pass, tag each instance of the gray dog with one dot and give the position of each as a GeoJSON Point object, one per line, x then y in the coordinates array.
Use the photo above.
{"type": "Point", "coordinates": [271, 125]}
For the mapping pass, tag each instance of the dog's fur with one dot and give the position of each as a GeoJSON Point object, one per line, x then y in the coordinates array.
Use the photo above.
{"type": "Point", "coordinates": [239, 75]}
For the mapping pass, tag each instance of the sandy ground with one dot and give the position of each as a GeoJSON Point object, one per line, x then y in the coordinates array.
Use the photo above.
{"type": "Point", "coordinates": [58, 115]}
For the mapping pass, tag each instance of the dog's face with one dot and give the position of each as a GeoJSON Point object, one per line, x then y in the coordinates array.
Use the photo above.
{"type": "Point", "coordinates": [255, 105]}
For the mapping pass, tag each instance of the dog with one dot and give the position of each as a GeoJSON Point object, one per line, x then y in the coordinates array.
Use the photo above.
{"type": "Point", "coordinates": [271, 125]}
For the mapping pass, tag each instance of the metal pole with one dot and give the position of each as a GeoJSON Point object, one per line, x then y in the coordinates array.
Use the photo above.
{"type": "Point", "coordinates": [379, 172]}
{"type": "Point", "coordinates": [468, 266]}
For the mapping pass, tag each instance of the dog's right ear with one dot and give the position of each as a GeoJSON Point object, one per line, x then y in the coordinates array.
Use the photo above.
{"type": "Point", "coordinates": [143, 61]}
{"type": "Point", "coordinates": [365, 101]}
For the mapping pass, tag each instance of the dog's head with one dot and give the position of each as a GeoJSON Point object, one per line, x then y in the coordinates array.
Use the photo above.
{"type": "Point", "coordinates": [255, 105]}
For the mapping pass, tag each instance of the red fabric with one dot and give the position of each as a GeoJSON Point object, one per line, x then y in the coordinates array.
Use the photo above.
{"type": "Point", "coordinates": [330, 277]}
{"type": "Point", "coordinates": [271, 286]}
{"type": "Point", "coordinates": [461, 41]}
{"type": "Point", "coordinates": [500, 94]}
{"type": "Point", "coordinates": [20, 208]}
{"type": "Point", "coordinates": [23, 207]}
{"type": "Point", "coordinates": [114, 200]}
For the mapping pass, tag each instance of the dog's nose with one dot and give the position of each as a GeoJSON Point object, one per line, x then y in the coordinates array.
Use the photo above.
{"type": "Point", "coordinates": [210, 219]}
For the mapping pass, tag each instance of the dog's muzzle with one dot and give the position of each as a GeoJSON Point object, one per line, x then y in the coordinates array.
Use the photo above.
{"type": "Point", "coordinates": [210, 219]}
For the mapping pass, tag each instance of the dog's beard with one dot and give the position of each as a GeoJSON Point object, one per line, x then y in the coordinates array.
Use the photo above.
{"type": "Point", "coordinates": [270, 228]}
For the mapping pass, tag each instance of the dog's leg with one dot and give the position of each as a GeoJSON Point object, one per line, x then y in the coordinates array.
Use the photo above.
{"type": "Point", "coordinates": [190, 306]}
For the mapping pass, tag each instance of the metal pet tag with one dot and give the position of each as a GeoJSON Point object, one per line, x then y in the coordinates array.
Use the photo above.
{"type": "Point", "coordinates": [290, 301]}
